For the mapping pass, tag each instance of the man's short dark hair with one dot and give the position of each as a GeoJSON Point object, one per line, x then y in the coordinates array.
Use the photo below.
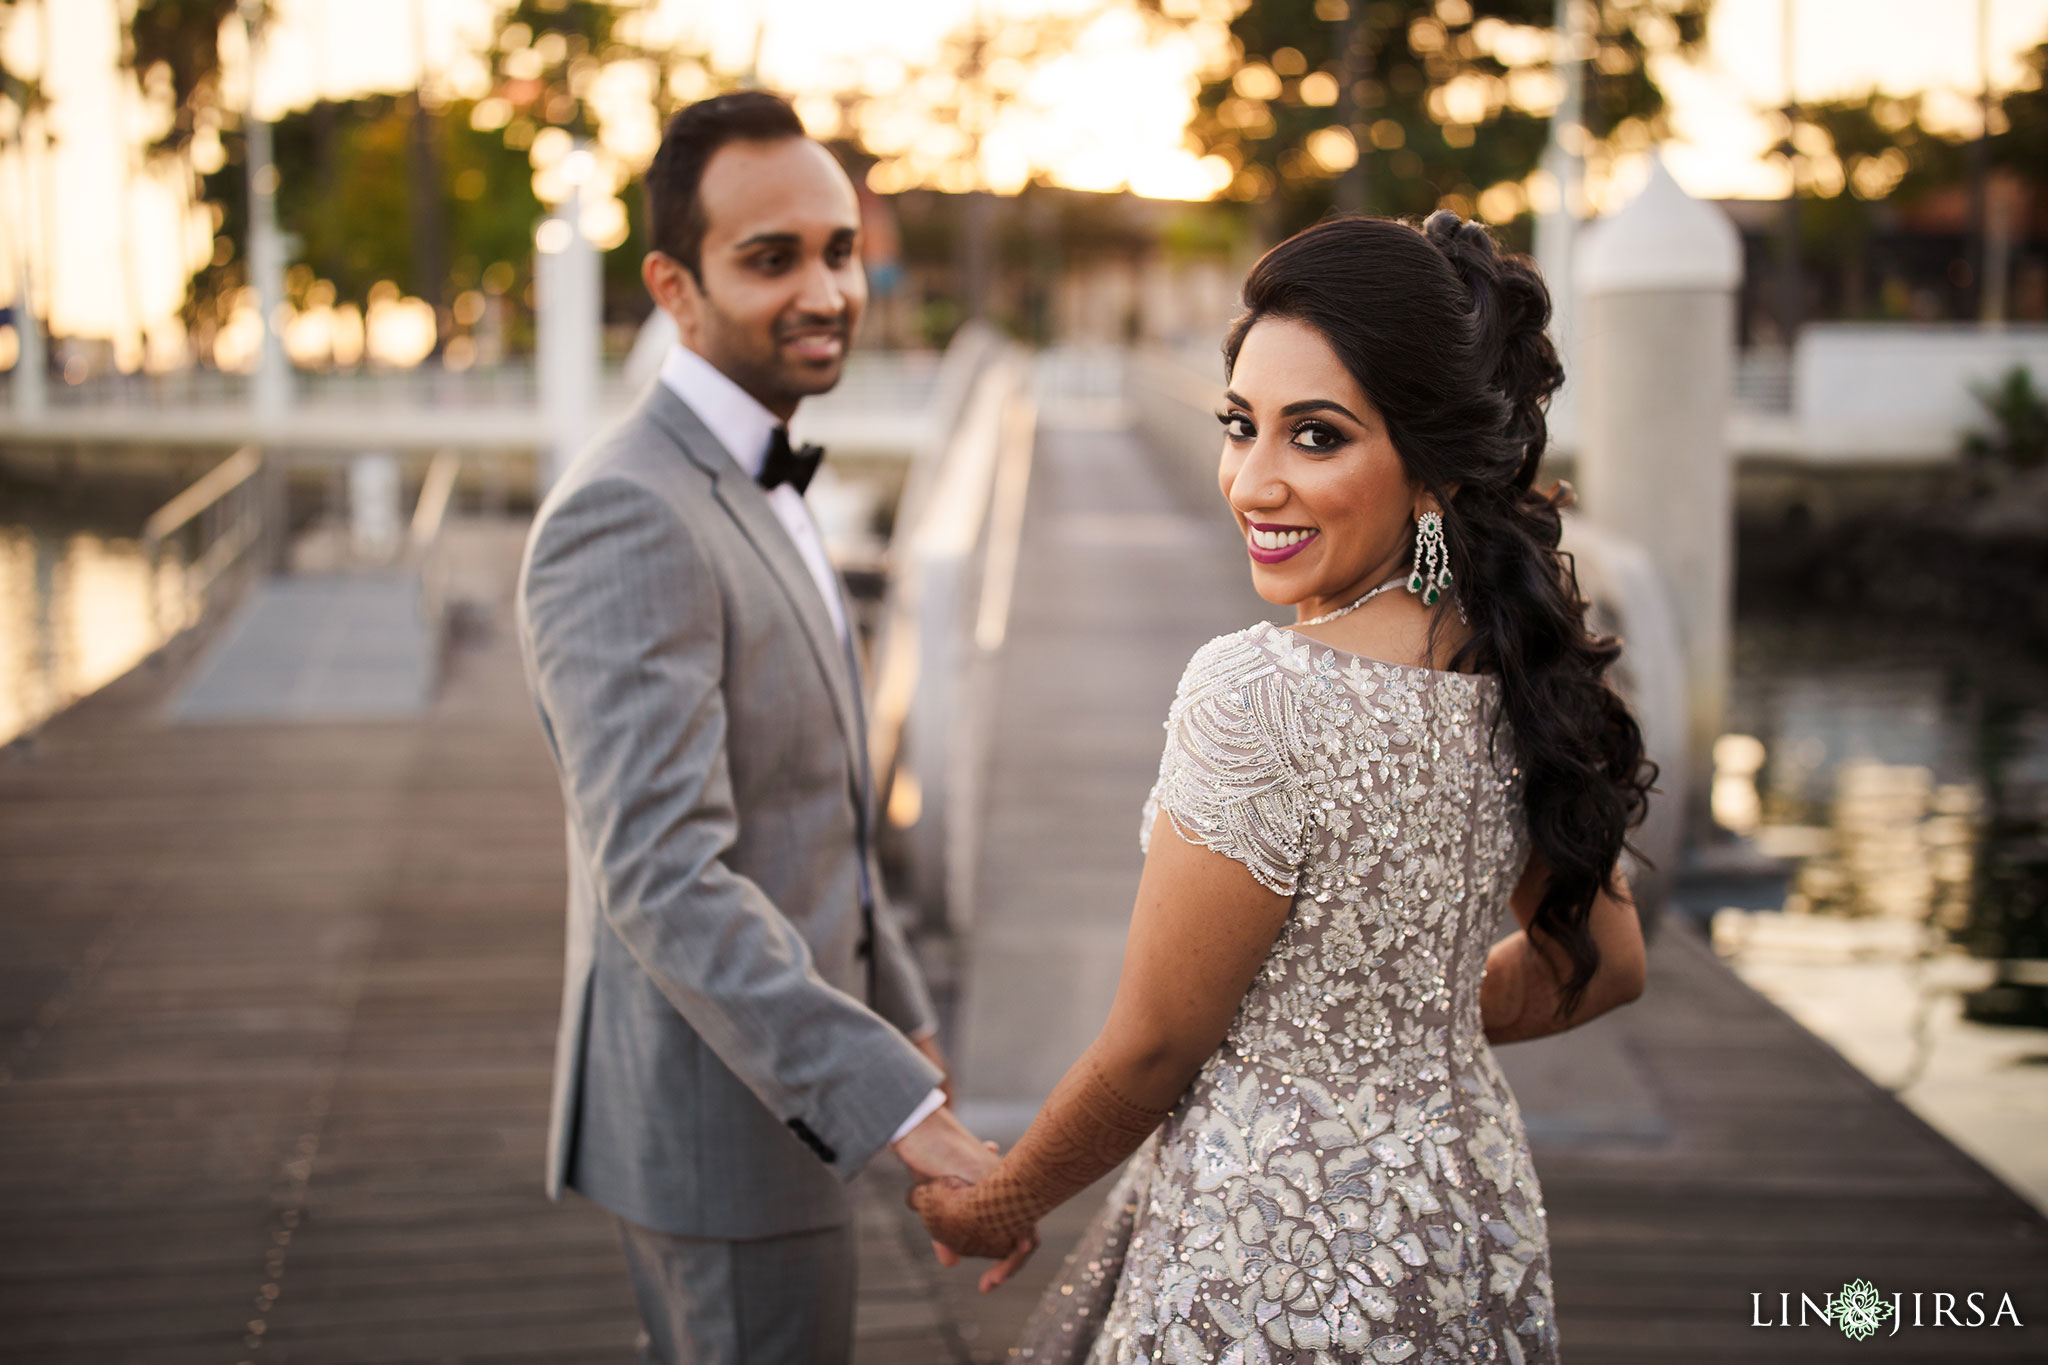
{"type": "Point", "coordinates": [675, 213]}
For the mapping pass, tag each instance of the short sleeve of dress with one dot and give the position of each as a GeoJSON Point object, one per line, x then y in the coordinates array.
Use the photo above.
{"type": "Point", "coordinates": [1226, 778]}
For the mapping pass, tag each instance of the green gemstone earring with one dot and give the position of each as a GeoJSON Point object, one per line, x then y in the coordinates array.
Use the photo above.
{"type": "Point", "coordinates": [1432, 573]}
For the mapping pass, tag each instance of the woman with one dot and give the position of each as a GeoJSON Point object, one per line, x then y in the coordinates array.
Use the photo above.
{"type": "Point", "coordinates": [1329, 1164]}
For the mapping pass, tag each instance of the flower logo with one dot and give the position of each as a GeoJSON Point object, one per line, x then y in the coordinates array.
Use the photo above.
{"type": "Point", "coordinates": [1858, 1309]}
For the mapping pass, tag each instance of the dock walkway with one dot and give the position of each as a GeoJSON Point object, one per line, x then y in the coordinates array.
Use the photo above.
{"type": "Point", "coordinates": [277, 1008]}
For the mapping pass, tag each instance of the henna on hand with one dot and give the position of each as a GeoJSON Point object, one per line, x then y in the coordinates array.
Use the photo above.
{"type": "Point", "coordinates": [1085, 1129]}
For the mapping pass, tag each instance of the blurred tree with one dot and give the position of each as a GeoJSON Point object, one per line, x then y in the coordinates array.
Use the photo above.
{"type": "Point", "coordinates": [1876, 147]}
{"type": "Point", "coordinates": [1453, 99]}
{"type": "Point", "coordinates": [601, 72]}
{"type": "Point", "coordinates": [343, 188]}
{"type": "Point", "coordinates": [1855, 159]}
{"type": "Point", "coordinates": [931, 127]}
{"type": "Point", "coordinates": [2017, 441]}
{"type": "Point", "coordinates": [22, 102]}
{"type": "Point", "coordinates": [177, 43]}
{"type": "Point", "coordinates": [923, 126]}
{"type": "Point", "coordinates": [2023, 146]}
{"type": "Point", "coordinates": [23, 93]}
{"type": "Point", "coordinates": [1859, 159]}
{"type": "Point", "coordinates": [438, 188]}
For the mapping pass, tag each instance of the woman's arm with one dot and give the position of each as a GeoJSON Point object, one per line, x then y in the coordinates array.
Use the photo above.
{"type": "Point", "coordinates": [1200, 930]}
{"type": "Point", "coordinates": [1525, 973]}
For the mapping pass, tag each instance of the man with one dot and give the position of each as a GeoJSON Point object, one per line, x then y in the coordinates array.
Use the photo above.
{"type": "Point", "coordinates": [743, 1025]}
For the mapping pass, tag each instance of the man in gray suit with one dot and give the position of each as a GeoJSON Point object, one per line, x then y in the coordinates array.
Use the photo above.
{"type": "Point", "coordinates": [743, 1025]}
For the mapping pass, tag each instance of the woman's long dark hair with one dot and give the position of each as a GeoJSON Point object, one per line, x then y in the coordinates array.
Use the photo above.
{"type": "Point", "coordinates": [1446, 335]}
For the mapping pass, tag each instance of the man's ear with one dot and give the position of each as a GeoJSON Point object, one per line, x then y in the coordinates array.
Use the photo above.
{"type": "Point", "coordinates": [674, 291]}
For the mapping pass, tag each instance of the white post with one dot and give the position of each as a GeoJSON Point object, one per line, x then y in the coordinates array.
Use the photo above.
{"type": "Point", "coordinates": [375, 523]}
{"type": "Point", "coordinates": [271, 392]}
{"type": "Point", "coordinates": [1657, 349]}
{"type": "Point", "coordinates": [568, 303]}
{"type": "Point", "coordinates": [31, 360]}
{"type": "Point", "coordinates": [1564, 161]}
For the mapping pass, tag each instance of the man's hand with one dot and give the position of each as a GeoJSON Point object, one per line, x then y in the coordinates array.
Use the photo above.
{"type": "Point", "coordinates": [929, 1046]}
{"type": "Point", "coordinates": [941, 1147]}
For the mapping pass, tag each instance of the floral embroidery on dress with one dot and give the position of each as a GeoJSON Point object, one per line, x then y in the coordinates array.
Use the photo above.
{"type": "Point", "coordinates": [1347, 1179]}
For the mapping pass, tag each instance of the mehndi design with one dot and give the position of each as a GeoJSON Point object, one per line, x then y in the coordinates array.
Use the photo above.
{"type": "Point", "coordinates": [1085, 1129]}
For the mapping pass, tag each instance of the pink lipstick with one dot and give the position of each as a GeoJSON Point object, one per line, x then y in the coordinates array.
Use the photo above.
{"type": "Point", "coordinates": [1269, 544]}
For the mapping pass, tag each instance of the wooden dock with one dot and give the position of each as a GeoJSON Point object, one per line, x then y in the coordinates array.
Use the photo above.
{"type": "Point", "coordinates": [280, 1008]}
{"type": "Point", "coordinates": [277, 1009]}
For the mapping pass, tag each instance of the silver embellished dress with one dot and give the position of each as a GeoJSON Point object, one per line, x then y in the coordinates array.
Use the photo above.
{"type": "Point", "coordinates": [1347, 1179]}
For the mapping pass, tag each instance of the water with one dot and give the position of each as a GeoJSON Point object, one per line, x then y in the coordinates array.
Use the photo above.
{"type": "Point", "coordinates": [1890, 762]}
{"type": "Point", "coordinates": [79, 602]}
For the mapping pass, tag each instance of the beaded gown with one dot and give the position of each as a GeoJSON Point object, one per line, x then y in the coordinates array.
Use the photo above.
{"type": "Point", "coordinates": [1347, 1179]}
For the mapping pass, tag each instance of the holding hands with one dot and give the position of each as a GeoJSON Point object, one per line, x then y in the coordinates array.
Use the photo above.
{"type": "Point", "coordinates": [985, 1219]}
{"type": "Point", "coordinates": [1085, 1130]}
{"type": "Point", "coordinates": [948, 1160]}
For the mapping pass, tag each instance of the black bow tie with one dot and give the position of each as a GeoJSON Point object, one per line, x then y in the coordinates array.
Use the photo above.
{"type": "Point", "coordinates": [783, 465]}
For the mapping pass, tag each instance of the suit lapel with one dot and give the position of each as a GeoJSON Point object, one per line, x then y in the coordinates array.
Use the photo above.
{"type": "Point", "coordinates": [860, 709]}
{"type": "Point", "coordinates": [748, 506]}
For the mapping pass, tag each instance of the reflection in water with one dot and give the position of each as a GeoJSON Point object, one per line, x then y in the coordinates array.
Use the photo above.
{"type": "Point", "coordinates": [78, 608]}
{"type": "Point", "coordinates": [1869, 763]}
{"type": "Point", "coordinates": [1735, 803]}
{"type": "Point", "coordinates": [1904, 848]}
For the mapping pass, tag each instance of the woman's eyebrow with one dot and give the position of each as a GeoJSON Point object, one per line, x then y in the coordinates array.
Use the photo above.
{"type": "Point", "coordinates": [1319, 405]}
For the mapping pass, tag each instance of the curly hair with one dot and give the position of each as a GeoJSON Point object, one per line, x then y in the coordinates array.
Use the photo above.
{"type": "Point", "coordinates": [1446, 335]}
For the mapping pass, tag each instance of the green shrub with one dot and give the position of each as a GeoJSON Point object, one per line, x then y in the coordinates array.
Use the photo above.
{"type": "Point", "coordinates": [2019, 435]}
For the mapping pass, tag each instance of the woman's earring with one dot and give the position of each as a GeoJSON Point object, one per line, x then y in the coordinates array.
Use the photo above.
{"type": "Point", "coordinates": [1432, 565]}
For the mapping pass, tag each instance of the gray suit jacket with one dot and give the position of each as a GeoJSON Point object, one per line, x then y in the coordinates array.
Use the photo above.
{"type": "Point", "coordinates": [721, 1069]}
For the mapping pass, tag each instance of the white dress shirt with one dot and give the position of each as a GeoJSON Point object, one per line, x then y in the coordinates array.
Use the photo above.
{"type": "Point", "coordinates": [745, 429]}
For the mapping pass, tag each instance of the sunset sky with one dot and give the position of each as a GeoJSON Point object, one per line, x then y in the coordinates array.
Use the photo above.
{"type": "Point", "coordinates": [1107, 114]}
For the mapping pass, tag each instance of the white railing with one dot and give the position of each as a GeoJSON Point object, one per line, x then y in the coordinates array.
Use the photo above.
{"type": "Point", "coordinates": [226, 506]}
{"type": "Point", "coordinates": [238, 505]}
{"type": "Point", "coordinates": [952, 571]}
{"type": "Point", "coordinates": [429, 515]}
{"type": "Point", "coordinates": [886, 405]}
{"type": "Point", "coordinates": [1763, 379]}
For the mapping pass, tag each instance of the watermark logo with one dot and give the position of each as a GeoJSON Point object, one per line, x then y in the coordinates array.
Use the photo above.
{"type": "Point", "coordinates": [1859, 1311]}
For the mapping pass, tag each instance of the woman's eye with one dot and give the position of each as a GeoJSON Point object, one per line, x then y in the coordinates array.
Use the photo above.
{"type": "Point", "coordinates": [1237, 426]}
{"type": "Point", "coordinates": [1316, 436]}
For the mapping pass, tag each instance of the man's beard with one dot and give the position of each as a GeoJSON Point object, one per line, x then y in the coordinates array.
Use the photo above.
{"type": "Point", "coordinates": [775, 381]}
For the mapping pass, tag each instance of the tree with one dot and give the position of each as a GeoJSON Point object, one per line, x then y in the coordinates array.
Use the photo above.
{"type": "Point", "coordinates": [343, 192]}
{"type": "Point", "coordinates": [1862, 157]}
{"type": "Point", "coordinates": [2023, 145]}
{"type": "Point", "coordinates": [1858, 158]}
{"type": "Point", "coordinates": [21, 99]}
{"type": "Point", "coordinates": [436, 186]}
{"type": "Point", "coordinates": [177, 42]}
{"type": "Point", "coordinates": [1452, 100]}
{"type": "Point", "coordinates": [22, 94]}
